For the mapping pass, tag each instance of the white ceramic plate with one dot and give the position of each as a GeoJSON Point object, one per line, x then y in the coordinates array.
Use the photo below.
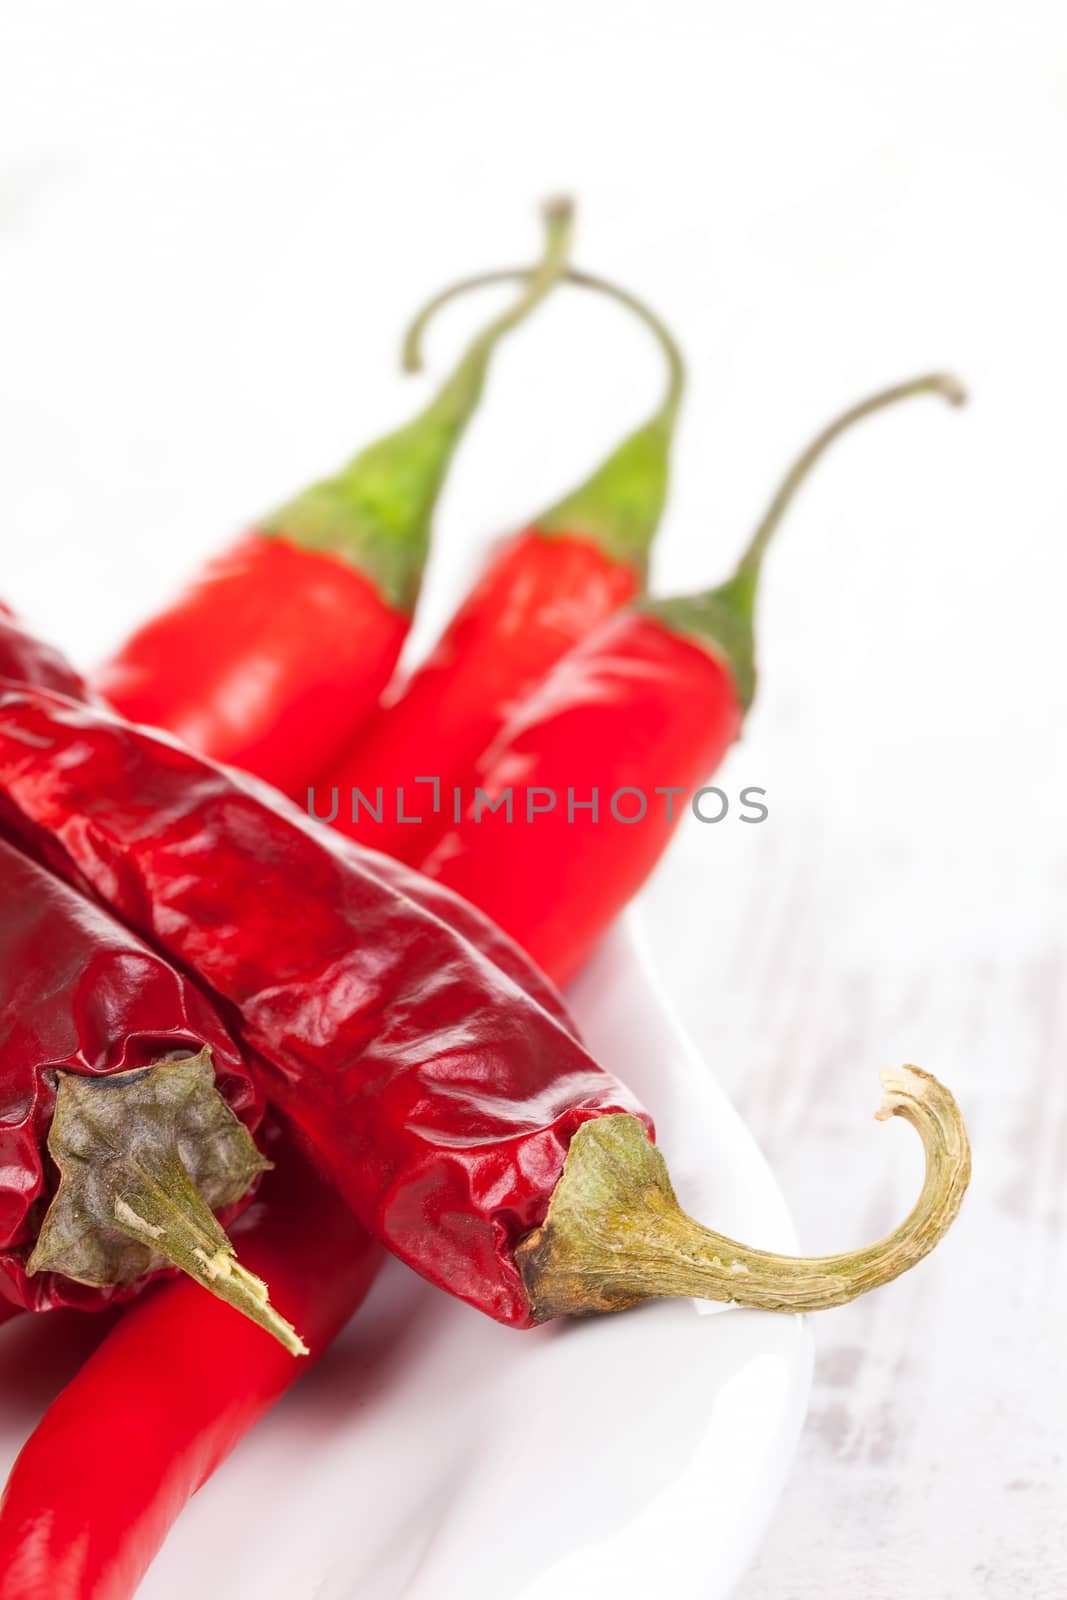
{"type": "Point", "coordinates": [433, 1453]}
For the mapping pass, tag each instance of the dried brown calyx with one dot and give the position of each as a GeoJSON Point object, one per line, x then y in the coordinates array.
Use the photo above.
{"type": "Point", "coordinates": [145, 1158]}
{"type": "Point", "coordinates": [615, 1233]}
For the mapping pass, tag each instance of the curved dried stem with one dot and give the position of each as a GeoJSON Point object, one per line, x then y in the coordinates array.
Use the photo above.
{"type": "Point", "coordinates": [615, 1233]}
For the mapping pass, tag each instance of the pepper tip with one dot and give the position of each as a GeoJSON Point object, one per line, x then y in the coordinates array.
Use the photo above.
{"type": "Point", "coordinates": [952, 389]}
{"type": "Point", "coordinates": [558, 208]}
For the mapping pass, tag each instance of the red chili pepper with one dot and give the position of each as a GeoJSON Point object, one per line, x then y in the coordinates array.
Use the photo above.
{"type": "Point", "coordinates": [466, 1128]}
{"type": "Point", "coordinates": [545, 589]}
{"type": "Point", "coordinates": [279, 650]}
{"type": "Point", "coordinates": [189, 1381]}
{"type": "Point", "coordinates": [166, 1397]}
{"type": "Point", "coordinates": [124, 1068]}
{"type": "Point", "coordinates": [581, 791]}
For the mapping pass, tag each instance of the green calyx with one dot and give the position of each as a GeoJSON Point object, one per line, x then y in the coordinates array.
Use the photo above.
{"type": "Point", "coordinates": [376, 512]}
{"type": "Point", "coordinates": [722, 620]}
{"type": "Point", "coordinates": [620, 506]}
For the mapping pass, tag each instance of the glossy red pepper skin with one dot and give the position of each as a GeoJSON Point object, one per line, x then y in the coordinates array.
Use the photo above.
{"type": "Point", "coordinates": [168, 1394]}
{"type": "Point", "coordinates": [267, 660]}
{"type": "Point", "coordinates": [634, 706]}
{"type": "Point", "coordinates": [437, 1097]}
{"type": "Point", "coordinates": [540, 595]}
{"type": "Point", "coordinates": [79, 993]}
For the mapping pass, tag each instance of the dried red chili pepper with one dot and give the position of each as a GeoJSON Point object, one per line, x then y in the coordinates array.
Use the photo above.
{"type": "Point", "coordinates": [545, 588]}
{"type": "Point", "coordinates": [466, 1127]}
{"type": "Point", "coordinates": [636, 716]}
{"type": "Point", "coordinates": [281, 647]}
{"type": "Point", "coordinates": [188, 1382]}
{"type": "Point", "coordinates": [168, 1394]}
{"type": "Point", "coordinates": [26, 659]}
{"type": "Point", "coordinates": [127, 1073]}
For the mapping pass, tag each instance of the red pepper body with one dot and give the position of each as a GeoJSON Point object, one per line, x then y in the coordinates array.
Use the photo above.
{"type": "Point", "coordinates": [637, 707]}
{"type": "Point", "coordinates": [439, 901]}
{"type": "Point", "coordinates": [539, 597]}
{"type": "Point", "coordinates": [78, 993]}
{"type": "Point", "coordinates": [268, 660]}
{"type": "Point", "coordinates": [438, 1097]}
{"type": "Point", "coordinates": [168, 1394]}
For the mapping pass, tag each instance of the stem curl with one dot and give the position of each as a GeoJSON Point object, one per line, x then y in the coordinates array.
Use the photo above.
{"type": "Point", "coordinates": [411, 354]}
{"type": "Point", "coordinates": [943, 384]}
{"type": "Point", "coordinates": [616, 1235]}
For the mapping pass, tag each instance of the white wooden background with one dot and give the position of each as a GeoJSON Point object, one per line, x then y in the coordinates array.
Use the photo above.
{"type": "Point", "coordinates": [213, 222]}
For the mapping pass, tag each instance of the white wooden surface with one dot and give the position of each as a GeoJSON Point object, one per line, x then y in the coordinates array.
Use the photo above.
{"type": "Point", "coordinates": [214, 220]}
{"type": "Point", "coordinates": [933, 1460]}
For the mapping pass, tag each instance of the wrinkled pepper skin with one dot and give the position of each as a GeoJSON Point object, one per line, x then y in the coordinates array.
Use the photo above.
{"type": "Point", "coordinates": [78, 993]}
{"type": "Point", "coordinates": [435, 1094]}
{"type": "Point", "coordinates": [540, 595]}
{"type": "Point", "coordinates": [175, 1387]}
{"type": "Point", "coordinates": [26, 659]}
{"type": "Point", "coordinates": [267, 660]}
{"type": "Point", "coordinates": [167, 1395]}
{"type": "Point", "coordinates": [636, 706]}
{"type": "Point", "coordinates": [439, 901]}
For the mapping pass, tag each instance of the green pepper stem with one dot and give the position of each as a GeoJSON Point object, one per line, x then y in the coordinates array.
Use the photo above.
{"type": "Point", "coordinates": [619, 506]}
{"type": "Point", "coordinates": [376, 512]}
{"type": "Point", "coordinates": [722, 619]}
{"type": "Point", "coordinates": [459, 394]}
{"type": "Point", "coordinates": [937, 383]}
{"type": "Point", "coordinates": [411, 355]}
{"type": "Point", "coordinates": [616, 1235]}
{"type": "Point", "coordinates": [143, 1157]}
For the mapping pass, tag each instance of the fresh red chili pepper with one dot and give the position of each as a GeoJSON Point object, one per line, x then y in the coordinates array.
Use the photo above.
{"type": "Point", "coordinates": [466, 1128]}
{"type": "Point", "coordinates": [282, 646]}
{"type": "Point", "coordinates": [582, 789]}
{"type": "Point", "coordinates": [546, 588]}
{"type": "Point", "coordinates": [168, 1394]}
{"type": "Point", "coordinates": [124, 1068]}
